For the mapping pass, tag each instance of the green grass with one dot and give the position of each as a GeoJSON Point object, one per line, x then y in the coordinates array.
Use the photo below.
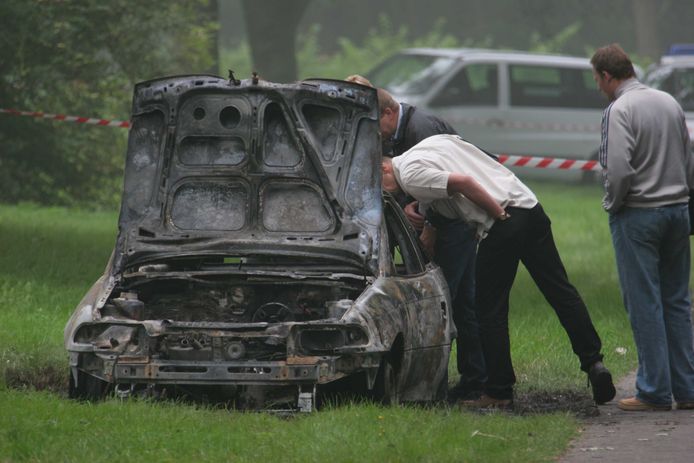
{"type": "Point", "coordinates": [38, 427]}
{"type": "Point", "coordinates": [49, 257]}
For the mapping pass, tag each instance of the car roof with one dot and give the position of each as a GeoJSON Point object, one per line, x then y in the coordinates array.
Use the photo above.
{"type": "Point", "coordinates": [685, 61]}
{"type": "Point", "coordinates": [500, 55]}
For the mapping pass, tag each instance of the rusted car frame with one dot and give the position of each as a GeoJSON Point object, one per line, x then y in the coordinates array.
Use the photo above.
{"type": "Point", "coordinates": [257, 255]}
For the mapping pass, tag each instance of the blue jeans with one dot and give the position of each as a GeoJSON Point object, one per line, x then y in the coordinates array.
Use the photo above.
{"type": "Point", "coordinates": [652, 251]}
{"type": "Point", "coordinates": [455, 252]}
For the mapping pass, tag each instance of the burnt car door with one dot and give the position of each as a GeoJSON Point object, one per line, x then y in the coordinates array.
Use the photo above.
{"type": "Point", "coordinates": [426, 311]}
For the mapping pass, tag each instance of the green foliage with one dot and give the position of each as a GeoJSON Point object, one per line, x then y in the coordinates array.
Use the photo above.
{"type": "Point", "coordinates": [558, 42]}
{"type": "Point", "coordinates": [82, 58]}
{"type": "Point", "coordinates": [352, 57]}
{"type": "Point", "coordinates": [237, 59]}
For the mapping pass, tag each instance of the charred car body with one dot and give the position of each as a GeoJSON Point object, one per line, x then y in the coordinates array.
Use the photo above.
{"type": "Point", "coordinates": [256, 254]}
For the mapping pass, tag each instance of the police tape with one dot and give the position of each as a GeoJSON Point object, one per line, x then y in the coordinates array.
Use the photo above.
{"type": "Point", "coordinates": [65, 118]}
{"type": "Point", "coordinates": [506, 159]}
{"type": "Point", "coordinates": [548, 163]}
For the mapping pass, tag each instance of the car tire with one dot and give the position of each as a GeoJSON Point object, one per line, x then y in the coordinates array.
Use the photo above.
{"type": "Point", "coordinates": [88, 387]}
{"type": "Point", "coordinates": [387, 383]}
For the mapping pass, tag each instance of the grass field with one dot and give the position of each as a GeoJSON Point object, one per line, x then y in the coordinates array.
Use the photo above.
{"type": "Point", "coordinates": [50, 257]}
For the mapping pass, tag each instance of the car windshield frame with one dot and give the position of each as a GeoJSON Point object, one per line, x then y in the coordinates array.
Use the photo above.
{"type": "Point", "coordinates": [411, 73]}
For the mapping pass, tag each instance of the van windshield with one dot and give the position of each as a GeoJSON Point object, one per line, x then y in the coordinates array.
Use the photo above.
{"type": "Point", "coordinates": [679, 82]}
{"type": "Point", "coordinates": [408, 74]}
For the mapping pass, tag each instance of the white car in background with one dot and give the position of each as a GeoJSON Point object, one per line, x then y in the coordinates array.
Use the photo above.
{"type": "Point", "coordinates": [675, 74]}
{"type": "Point", "coordinates": [507, 102]}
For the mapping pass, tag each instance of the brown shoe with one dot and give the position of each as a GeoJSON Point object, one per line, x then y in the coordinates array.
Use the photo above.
{"type": "Point", "coordinates": [685, 405]}
{"type": "Point", "coordinates": [632, 404]}
{"type": "Point", "coordinates": [487, 402]}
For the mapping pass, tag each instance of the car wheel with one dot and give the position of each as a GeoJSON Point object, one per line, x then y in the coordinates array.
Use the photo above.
{"type": "Point", "coordinates": [88, 387]}
{"type": "Point", "coordinates": [387, 390]}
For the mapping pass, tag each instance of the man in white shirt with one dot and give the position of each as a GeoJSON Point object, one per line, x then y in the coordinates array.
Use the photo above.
{"type": "Point", "coordinates": [403, 126]}
{"type": "Point", "coordinates": [454, 178]}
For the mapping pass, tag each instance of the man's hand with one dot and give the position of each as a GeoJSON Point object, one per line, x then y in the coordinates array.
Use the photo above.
{"type": "Point", "coordinates": [413, 215]}
{"type": "Point", "coordinates": [428, 239]}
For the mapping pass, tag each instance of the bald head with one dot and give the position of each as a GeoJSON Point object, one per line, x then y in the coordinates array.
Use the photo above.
{"type": "Point", "coordinates": [357, 79]}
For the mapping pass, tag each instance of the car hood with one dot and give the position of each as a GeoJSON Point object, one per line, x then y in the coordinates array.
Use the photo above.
{"type": "Point", "coordinates": [228, 167]}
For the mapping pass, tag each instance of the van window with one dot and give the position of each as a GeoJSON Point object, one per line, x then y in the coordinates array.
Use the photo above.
{"type": "Point", "coordinates": [552, 87]}
{"type": "Point", "coordinates": [410, 74]}
{"type": "Point", "coordinates": [474, 85]}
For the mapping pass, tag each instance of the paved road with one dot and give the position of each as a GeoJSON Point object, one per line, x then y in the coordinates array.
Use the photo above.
{"type": "Point", "coordinates": [617, 436]}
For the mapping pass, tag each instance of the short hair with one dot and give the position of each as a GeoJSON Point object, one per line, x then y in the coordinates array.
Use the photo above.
{"type": "Point", "coordinates": [357, 79]}
{"type": "Point", "coordinates": [386, 100]}
{"type": "Point", "coordinates": [613, 60]}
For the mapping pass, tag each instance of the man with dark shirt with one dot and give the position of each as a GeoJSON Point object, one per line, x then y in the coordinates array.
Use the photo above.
{"type": "Point", "coordinates": [403, 126]}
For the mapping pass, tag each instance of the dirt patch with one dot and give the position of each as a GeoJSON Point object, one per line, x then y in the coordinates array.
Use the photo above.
{"type": "Point", "coordinates": [533, 402]}
{"type": "Point", "coordinates": [40, 378]}
{"type": "Point", "coordinates": [53, 379]}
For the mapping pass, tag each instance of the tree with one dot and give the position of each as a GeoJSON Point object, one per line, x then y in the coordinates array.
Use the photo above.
{"type": "Point", "coordinates": [82, 58]}
{"type": "Point", "coordinates": [646, 28]}
{"type": "Point", "coordinates": [272, 26]}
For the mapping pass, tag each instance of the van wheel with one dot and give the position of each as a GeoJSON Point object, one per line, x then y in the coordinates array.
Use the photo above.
{"type": "Point", "coordinates": [88, 387]}
{"type": "Point", "coordinates": [387, 387]}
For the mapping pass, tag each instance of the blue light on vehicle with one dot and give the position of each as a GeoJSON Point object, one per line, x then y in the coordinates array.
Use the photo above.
{"type": "Point", "coordinates": [681, 49]}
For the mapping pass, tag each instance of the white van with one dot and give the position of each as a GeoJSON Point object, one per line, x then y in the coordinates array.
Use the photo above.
{"type": "Point", "coordinates": [506, 102]}
{"type": "Point", "coordinates": [675, 74]}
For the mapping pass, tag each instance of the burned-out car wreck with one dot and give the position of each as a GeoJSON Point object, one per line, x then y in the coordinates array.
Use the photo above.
{"type": "Point", "coordinates": [257, 256]}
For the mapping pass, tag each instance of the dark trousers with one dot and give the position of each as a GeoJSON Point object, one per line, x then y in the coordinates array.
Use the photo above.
{"type": "Point", "coordinates": [525, 237]}
{"type": "Point", "coordinates": [455, 252]}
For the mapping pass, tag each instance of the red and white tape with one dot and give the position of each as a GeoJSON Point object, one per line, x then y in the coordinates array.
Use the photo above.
{"type": "Point", "coordinates": [508, 160]}
{"type": "Point", "coordinates": [548, 163]}
{"type": "Point", "coordinates": [63, 117]}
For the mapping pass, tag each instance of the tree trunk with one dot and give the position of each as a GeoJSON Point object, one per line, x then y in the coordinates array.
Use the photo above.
{"type": "Point", "coordinates": [271, 26]}
{"type": "Point", "coordinates": [213, 15]}
{"type": "Point", "coordinates": [646, 28]}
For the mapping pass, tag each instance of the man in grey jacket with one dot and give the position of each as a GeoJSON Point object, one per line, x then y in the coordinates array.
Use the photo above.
{"type": "Point", "coordinates": [648, 171]}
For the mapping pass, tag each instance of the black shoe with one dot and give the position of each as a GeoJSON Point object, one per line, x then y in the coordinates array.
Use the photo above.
{"type": "Point", "coordinates": [601, 381]}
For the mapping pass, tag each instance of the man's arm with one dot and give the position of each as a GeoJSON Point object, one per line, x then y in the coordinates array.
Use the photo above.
{"type": "Point", "coordinates": [619, 145]}
{"type": "Point", "coordinates": [688, 153]}
{"type": "Point", "coordinates": [472, 190]}
{"type": "Point", "coordinates": [413, 215]}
